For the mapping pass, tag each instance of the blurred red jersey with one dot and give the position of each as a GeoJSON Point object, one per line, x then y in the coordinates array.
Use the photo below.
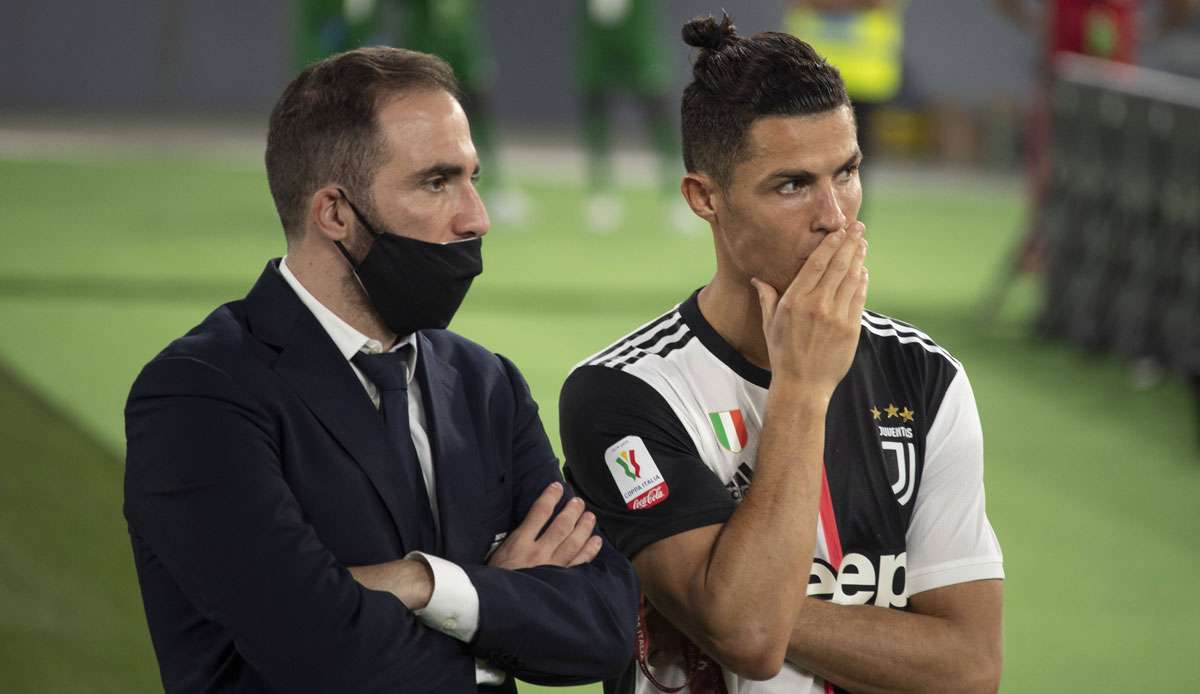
{"type": "Point", "coordinates": [1100, 28]}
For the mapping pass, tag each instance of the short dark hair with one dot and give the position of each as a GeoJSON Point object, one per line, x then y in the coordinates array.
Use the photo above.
{"type": "Point", "coordinates": [737, 80]}
{"type": "Point", "coordinates": [323, 128]}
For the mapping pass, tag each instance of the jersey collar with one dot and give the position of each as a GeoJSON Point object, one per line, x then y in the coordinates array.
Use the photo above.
{"type": "Point", "coordinates": [714, 343]}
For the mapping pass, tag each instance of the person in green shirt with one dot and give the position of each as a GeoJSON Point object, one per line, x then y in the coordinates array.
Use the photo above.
{"type": "Point", "coordinates": [325, 27]}
{"type": "Point", "coordinates": [454, 31]}
{"type": "Point", "coordinates": [621, 49]}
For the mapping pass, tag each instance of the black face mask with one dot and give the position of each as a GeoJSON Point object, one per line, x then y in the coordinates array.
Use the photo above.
{"type": "Point", "coordinates": [413, 284]}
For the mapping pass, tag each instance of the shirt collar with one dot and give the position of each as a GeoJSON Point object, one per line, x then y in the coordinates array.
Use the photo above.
{"type": "Point", "coordinates": [346, 338]}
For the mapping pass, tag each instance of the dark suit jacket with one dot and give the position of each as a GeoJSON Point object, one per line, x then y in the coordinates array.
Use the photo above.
{"type": "Point", "coordinates": [257, 469]}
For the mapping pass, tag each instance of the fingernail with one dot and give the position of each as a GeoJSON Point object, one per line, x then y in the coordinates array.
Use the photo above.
{"type": "Point", "coordinates": [556, 485]}
{"type": "Point", "coordinates": [589, 516]}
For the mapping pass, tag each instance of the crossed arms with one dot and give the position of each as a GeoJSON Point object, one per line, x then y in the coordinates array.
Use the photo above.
{"type": "Point", "coordinates": [949, 641]}
{"type": "Point", "coordinates": [209, 506]}
{"type": "Point", "coordinates": [737, 585]}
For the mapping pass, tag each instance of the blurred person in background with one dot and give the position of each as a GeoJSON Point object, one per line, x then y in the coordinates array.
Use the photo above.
{"type": "Point", "coordinates": [619, 51]}
{"type": "Point", "coordinates": [864, 40]}
{"type": "Point", "coordinates": [1106, 29]}
{"type": "Point", "coordinates": [449, 29]}
{"type": "Point", "coordinates": [453, 30]}
{"type": "Point", "coordinates": [325, 27]}
{"type": "Point", "coordinates": [327, 491]}
{"type": "Point", "coordinates": [798, 481]}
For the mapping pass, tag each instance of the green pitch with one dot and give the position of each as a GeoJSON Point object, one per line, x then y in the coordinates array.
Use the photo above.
{"type": "Point", "coordinates": [1091, 485]}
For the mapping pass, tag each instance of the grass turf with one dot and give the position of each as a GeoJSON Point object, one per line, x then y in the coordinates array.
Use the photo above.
{"type": "Point", "coordinates": [1090, 484]}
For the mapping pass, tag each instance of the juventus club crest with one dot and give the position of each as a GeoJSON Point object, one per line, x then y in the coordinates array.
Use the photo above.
{"type": "Point", "coordinates": [896, 437]}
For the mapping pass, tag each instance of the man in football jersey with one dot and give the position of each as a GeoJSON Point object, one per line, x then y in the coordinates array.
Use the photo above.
{"type": "Point", "coordinates": [798, 482]}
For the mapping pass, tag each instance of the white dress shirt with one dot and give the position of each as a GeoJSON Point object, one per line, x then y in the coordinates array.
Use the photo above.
{"type": "Point", "coordinates": [453, 607]}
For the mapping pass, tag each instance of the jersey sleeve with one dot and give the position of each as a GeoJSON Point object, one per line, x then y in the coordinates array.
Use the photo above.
{"type": "Point", "coordinates": [950, 539]}
{"type": "Point", "coordinates": [607, 415]}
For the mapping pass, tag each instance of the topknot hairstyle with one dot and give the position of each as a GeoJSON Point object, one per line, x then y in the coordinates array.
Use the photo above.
{"type": "Point", "coordinates": [708, 33]}
{"type": "Point", "coordinates": [737, 80]}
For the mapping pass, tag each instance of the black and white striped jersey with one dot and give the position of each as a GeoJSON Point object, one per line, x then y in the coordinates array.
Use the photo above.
{"type": "Point", "coordinates": [660, 433]}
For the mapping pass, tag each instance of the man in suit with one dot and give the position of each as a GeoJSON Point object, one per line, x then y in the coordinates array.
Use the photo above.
{"type": "Point", "coordinates": [325, 490]}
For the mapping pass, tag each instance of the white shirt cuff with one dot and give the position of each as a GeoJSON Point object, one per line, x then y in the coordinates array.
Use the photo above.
{"type": "Point", "coordinates": [485, 673]}
{"type": "Point", "coordinates": [453, 607]}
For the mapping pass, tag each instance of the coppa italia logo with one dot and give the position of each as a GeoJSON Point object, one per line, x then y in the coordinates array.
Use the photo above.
{"type": "Point", "coordinates": [636, 474]}
{"type": "Point", "coordinates": [628, 462]}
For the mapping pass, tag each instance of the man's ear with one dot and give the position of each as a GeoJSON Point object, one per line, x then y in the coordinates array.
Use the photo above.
{"type": "Point", "coordinates": [329, 214]}
{"type": "Point", "coordinates": [700, 192]}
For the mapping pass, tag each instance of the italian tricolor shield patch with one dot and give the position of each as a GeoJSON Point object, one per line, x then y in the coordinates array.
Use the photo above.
{"type": "Point", "coordinates": [730, 429]}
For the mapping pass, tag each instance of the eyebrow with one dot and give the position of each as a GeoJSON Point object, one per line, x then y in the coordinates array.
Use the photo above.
{"type": "Point", "coordinates": [805, 177]}
{"type": "Point", "coordinates": [443, 169]}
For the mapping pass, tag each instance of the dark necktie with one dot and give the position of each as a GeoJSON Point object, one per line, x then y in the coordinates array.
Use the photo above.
{"type": "Point", "coordinates": [387, 372]}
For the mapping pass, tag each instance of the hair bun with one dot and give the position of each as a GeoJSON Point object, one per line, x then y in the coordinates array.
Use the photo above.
{"type": "Point", "coordinates": [709, 34]}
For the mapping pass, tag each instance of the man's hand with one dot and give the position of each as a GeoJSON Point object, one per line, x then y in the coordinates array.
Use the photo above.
{"type": "Point", "coordinates": [568, 541]}
{"type": "Point", "coordinates": [812, 329]}
{"type": "Point", "coordinates": [410, 580]}
{"type": "Point", "coordinates": [731, 588]}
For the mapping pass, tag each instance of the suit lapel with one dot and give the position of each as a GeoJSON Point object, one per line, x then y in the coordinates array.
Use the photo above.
{"type": "Point", "coordinates": [313, 366]}
{"type": "Point", "coordinates": [457, 462]}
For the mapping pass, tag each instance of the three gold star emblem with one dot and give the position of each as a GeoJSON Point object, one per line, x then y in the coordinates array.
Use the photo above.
{"type": "Point", "coordinates": [893, 412]}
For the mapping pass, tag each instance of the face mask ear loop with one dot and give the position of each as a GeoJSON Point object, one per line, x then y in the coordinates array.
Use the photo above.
{"type": "Point", "coordinates": [365, 224]}
{"type": "Point", "coordinates": [346, 253]}
{"type": "Point", "coordinates": [361, 217]}
{"type": "Point", "coordinates": [354, 272]}
{"type": "Point", "coordinates": [349, 258]}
